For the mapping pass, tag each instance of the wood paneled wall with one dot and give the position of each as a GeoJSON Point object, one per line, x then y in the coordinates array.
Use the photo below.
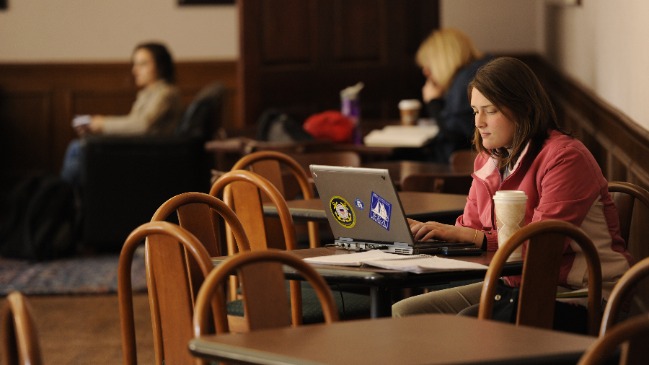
{"type": "Point", "coordinates": [38, 102]}
{"type": "Point", "coordinates": [619, 144]}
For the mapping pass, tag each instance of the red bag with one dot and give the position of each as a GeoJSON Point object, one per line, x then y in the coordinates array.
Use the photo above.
{"type": "Point", "coordinates": [331, 125]}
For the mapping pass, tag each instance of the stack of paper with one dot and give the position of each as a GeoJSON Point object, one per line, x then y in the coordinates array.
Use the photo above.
{"type": "Point", "coordinates": [415, 264]}
{"type": "Point", "coordinates": [401, 136]}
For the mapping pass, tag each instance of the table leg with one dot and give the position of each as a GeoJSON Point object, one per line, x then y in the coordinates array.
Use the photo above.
{"type": "Point", "coordinates": [381, 302]}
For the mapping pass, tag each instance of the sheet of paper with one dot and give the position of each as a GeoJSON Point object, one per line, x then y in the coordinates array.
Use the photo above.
{"type": "Point", "coordinates": [401, 136]}
{"type": "Point", "coordinates": [355, 259]}
{"type": "Point", "coordinates": [419, 264]}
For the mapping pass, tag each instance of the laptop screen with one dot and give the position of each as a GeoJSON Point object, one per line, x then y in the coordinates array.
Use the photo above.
{"type": "Point", "coordinates": [361, 204]}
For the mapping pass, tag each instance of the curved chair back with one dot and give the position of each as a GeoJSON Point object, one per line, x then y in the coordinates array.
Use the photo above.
{"type": "Point", "coordinates": [541, 273]}
{"type": "Point", "coordinates": [200, 214]}
{"type": "Point", "coordinates": [622, 293]}
{"type": "Point", "coordinates": [607, 346]}
{"type": "Point", "coordinates": [20, 344]}
{"type": "Point", "coordinates": [243, 190]}
{"type": "Point", "coordinates": [170, 290]}
{"type": "Point", "coordinates": [462, 160]}
{"type": "Point", "coordinates": [271, 165]}
{"type": "Point", "coordinates": [263, 284]}
{"type": "Point", "coordinates": [632, 215]}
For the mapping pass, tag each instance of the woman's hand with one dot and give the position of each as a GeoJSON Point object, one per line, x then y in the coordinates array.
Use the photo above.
{"type": "Point", "coordinates": [430, 91]}
{"type": "Point", "coordinates": [423, 231]}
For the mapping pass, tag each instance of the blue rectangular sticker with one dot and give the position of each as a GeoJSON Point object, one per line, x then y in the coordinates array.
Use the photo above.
{"type": "Point", "coordinates": [380, 211]}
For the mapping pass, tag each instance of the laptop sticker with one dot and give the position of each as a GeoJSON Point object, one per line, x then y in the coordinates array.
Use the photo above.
{"type": "Point", "coordinates": [380, 211]}
{"type": "Point", "coordinates": [342, 211]}
{"type": "Point", "coordinates": [359, 204]}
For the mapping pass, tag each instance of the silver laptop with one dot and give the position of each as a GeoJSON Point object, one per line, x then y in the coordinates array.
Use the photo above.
{"type": "Point", "coordinates": [364, 211]}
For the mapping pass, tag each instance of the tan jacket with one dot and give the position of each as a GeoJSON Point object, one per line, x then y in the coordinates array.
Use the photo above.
{"type": "Point", "coordinates": [157, 110]}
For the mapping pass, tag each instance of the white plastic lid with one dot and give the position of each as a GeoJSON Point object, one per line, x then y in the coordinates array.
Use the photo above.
{"type": "Point", "coordinates": [409, 104]}
{"type": "Point", "coordinates": [510, 195]}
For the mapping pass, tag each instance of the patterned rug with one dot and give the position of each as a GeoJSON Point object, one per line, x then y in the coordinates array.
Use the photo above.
{"type": "Point", "coordinates": [77, 275]}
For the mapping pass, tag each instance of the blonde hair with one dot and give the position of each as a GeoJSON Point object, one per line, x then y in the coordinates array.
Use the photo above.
{"type": "Point", "coordinates": [444, 52]}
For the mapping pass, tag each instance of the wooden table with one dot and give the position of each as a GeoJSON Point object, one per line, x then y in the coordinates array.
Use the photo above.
{"type": "Point", "coordinates": [416, 205]}
{"type": "Point", "coordinates": [386, 284]}
{"type": "Point", "coordinates": [422, 339]}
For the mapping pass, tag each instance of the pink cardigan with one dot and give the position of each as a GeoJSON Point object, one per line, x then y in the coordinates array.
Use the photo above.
{"type": "Point", "coordinates": [563, 182]}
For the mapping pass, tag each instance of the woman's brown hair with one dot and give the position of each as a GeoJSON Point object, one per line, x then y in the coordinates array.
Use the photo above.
{"type": "Point", "coordinates": [515, 90]}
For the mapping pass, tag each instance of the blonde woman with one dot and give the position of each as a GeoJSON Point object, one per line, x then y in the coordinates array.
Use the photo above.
{"type": "Point", "coordinates": [449, 61]}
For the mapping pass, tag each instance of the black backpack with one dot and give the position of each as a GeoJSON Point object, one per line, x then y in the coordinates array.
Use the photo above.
{"type": "Point", "coordinates": [277, 126]}
{"type": "Point", "coordinates": [42, 219]}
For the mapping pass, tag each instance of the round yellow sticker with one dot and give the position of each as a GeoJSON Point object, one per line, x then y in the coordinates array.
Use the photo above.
{"type": "Point", "coordinates": [342, 211]}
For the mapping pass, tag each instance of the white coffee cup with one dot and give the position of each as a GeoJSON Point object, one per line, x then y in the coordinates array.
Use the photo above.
{"type": "Point", "coordinates": [510, 208]}
{"type": "Point", "coordinates": [409, 109]}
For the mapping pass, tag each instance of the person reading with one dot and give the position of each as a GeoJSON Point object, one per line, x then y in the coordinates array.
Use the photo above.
{"type": "Point", "coordinates": [157, 108]}
{"type": "Point", "coordinates": [522, 147]}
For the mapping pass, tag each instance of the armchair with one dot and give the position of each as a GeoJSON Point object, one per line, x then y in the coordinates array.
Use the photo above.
{"type": "Point", "coordinates": [126, 178]}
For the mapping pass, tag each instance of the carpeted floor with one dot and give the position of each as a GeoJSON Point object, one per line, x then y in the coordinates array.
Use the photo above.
{"type": "Point", "coordinates": [77, 275]}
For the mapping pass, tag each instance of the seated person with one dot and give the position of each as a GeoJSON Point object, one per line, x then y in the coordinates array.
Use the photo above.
{"type": "Point", "coordinates": [522, 147]}
{"type": "Point", "coordinates": [449, 61]}
{"type": "Point", "coordinates": [157, 109]}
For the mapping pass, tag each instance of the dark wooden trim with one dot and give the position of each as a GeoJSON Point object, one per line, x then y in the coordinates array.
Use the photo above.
{"type": "Point", "coordinates": [620, 145]}
{"type": "Point", "coordinates": [39, 100]}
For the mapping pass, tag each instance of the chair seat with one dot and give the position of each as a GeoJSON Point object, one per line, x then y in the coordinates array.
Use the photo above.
{"type": "Point", "coordinates": [350, 305]}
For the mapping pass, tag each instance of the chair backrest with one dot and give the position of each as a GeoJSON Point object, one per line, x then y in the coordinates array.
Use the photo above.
{"type": "Point", "coordinates": [437, 183]}
{"type": "Point", "coordinates": [626, 197]}
{"type": "Point", "coordinates": [623, 293]}
{"type": "Point", "coordinates": [203, 116]}
{"type": "Point", "coordinates": [462, 160]}
{"type": "Point", "coordinates": [271, 165]}
{"type": "Point", "coordinates": [541, 273]}
{"type": "Point", "coordinates": [629, 298]}
{"type": "Point", "coordinates": [607, 346]}
{"type": "Point", "coordinates": [20, 344]}
{"type": "Point", "coordinates": [264, 291]}
{"type": "Point", "coordinates": [333, 158]}
{"type": "Point", "coordinates": [169, 287]}
{"type": "Point", "coordinates": [200, 214]}
{"type": "Point", "coordinates": [242, 190]}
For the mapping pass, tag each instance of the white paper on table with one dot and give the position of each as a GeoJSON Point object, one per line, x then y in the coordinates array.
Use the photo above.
{"type": "Point", "coordinates": [355, 259]}
{"type": "Point", "coordinates": [420, 264]}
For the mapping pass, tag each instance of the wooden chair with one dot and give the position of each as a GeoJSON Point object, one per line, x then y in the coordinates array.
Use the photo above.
{"type": "Point", "coordinates": [266, 304]}
{"type": "Point", "coordinates": [632, 215]}
{"type": "Point", "coordinates": [623, 335]}
{"type": "Point", "coordinates": [242, 191]}
{"type": "Point", "coordinates": [438, 183]}
{"type": "Point", "coordinates": [540, 276]}
{"type": "Point", "coordinates": [462, 160]}
{"type": "Point", "coordinates": [200, 214]}
{"type": "Point", "coordinates": [20, 344]}
{"type": "Point", "coordinates": [333, 158]}
{"type": "Point", "coordinates": [629, 297]}
{"type": "Point", "coordinates": [171, 294]}
{"type": "Point", "coordinates": [271, 165]}
{"type": "Point", "coordinates": [263, 286]}
{"type": "Point", "coordinates": [622, 293]}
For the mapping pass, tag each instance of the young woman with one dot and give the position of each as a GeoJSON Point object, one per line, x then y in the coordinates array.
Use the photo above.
{"type": "Point", "coordinates": [521, 147]}
{"type": "Point", "coordinates": [157, 108]}
{"type": "Point", "coordinates": [449, 61]}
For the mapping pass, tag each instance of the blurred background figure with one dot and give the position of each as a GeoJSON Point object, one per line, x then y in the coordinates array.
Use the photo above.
{"type": "Point", "coordinates": [157, 108]}
{"type": "Point", "coordinates": [449, 61]}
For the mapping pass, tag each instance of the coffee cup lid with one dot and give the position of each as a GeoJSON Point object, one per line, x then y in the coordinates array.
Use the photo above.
{"type": "Point", "coordinates": [409, 104]}
{"type": "Point", "coordinates": [510, 195]}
